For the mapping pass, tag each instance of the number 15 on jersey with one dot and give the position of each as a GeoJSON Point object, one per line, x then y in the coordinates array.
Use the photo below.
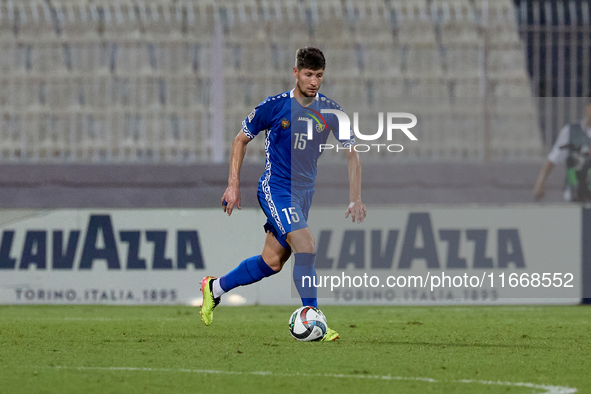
{"type": "Point", "coordinates": [291, 215]}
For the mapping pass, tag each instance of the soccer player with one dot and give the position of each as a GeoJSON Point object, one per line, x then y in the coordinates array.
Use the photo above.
{"type": "Point", "coordinates": [286, 188]}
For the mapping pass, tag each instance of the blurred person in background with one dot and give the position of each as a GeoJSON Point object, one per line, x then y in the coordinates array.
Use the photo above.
{"type": "Point", "coordinates": [573, 148]}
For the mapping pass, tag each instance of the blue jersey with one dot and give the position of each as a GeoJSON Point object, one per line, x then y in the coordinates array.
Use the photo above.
{"type": "Point", "coordinates": [290, 155]}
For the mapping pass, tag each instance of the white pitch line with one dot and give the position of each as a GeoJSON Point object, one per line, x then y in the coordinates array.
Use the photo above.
{"type": "Point", "coordinates": [105, 319]}
{"type": "Point", "coordinates": [547, 388]}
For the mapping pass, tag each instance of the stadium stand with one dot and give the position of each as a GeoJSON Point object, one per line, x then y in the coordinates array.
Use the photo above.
{"type": "Point", "coordinates": [133, 81]}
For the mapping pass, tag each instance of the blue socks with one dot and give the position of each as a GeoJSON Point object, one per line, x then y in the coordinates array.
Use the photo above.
{"type": "Point", "coordinates": [249, 271]}
{"type": "Point", "coordinates": [254, 269]}
{"type": "Point", "coordinates": [304, 266]}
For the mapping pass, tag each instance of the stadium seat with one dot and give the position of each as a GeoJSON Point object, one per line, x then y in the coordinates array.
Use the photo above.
{"type": "Point", "coordinates": [509, 86]}
{"type": "Point", "coordinates": [334, 31]}
{"type": "Point", "coordinates": [502, 26]}
{"type": "Point", "coordinates": [514, 130]}
{"type": "Point", "coordinates": [35, 22]}
{"type": "Point", "coordinates": [44, 131]}
{"type": "Point", "coordinates": [57, 92]}
{"type": "Point", "coordinates": [428, 86]}
{"type": "Point", "coordinates": [79, 35]}
{"type": "Point", "coordinates": [7, 19]}
{"type": "Point", "coordinates": [389, 87]}
{"type": "Point", "coordinates": [96, 91]}
{"type": "Point", "coordinates": [163, 22]}
{"type": "Point", "coordinates": [8, 46]}
{"type": "Point", "coordinates": [458, 24]}
{"type": "Point", "coordinates": [464, 60]}
{"type": "Point", "coordinates": [6, 85]}
{"type": "Point", "coordinates": [255, 58]}
{"type": "Point", "coordinates": [77, 21]}
{"type": "Point", "coordinates": [413, 24]}
{"type": "Point", "coordinates": [423, 60]}
{"type": "Point", "coordinates": [120, 22]}
{"type": "Point", "coordinates": [12, 144]}
{"type": "Point", "coordinates": [507, 61]}
{"type": "Point", "coordinates": [342, 59]}
{"type": "Point", "coordinates": [383, 59]}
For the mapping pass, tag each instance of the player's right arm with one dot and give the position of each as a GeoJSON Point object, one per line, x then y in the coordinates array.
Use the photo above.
{"type": "Point", "coordinates": [556, 155]}
{"type": "Point", "coordinates": [540, 186]}
{"type": "Point", "coordinates": [256, 121]}
{"type": "Point", "coordinates": [231, 196]}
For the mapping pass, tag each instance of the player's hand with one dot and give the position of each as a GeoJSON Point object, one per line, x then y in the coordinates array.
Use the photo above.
{"type": "Point", "coordinates": [357, 211]}
{"type": "Point", "coordinates": [231, 199]}
{"type": "Point", "coordinates": [539, 191]}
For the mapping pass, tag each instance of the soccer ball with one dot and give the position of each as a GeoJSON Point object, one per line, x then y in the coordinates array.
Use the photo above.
{"type": "Point", "coordinates": [307, 324]}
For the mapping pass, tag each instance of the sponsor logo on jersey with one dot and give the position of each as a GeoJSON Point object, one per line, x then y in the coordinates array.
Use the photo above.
{"type": "Point", "coordinates": [320, 126]}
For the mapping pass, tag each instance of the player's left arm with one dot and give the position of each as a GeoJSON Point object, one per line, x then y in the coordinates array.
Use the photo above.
{"type": "Point", "coordinates": [356, 208]}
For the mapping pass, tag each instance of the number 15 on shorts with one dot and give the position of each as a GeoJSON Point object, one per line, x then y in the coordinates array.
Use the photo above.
{"type": "Point", "coordinates": [291, 215]}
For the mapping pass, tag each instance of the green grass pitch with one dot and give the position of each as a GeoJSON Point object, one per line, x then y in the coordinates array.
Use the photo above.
{"type": "Point", "coordinates": [116, 349]}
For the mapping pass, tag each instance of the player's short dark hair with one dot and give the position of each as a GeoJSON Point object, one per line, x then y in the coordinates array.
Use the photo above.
{"type": "Point", "coordinates": [310, 57]}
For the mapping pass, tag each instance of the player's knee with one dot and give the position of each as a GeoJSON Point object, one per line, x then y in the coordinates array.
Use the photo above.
{"type": "Point", "coordinates": [274, 263]}
{"type": "Point", "coordinates": [308, 245]}
{"type": "Point", "coordinates": [303, 242]}
{"type": "Point", "coordinates": [277, 260]}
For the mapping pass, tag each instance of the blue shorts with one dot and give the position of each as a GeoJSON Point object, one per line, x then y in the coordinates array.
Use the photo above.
{"type": "Point", "coordinates": [286, 207]}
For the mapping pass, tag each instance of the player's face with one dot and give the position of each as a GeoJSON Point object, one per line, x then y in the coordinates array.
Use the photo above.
{"type": "Point", "coordinates": [308, 81]}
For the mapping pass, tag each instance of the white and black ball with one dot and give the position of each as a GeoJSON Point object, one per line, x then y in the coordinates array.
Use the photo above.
{"type": "Point", "coordinates": [307, 324]}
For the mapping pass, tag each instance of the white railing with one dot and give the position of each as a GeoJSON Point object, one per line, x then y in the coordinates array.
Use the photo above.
{"type": "Point", "coordinates": [558, 38]}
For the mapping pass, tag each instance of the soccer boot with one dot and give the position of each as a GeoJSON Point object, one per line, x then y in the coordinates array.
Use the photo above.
{"type": "Point", "coordinates": [209, 302]}
{"type": "Point", "coordinates": [331, 335]}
